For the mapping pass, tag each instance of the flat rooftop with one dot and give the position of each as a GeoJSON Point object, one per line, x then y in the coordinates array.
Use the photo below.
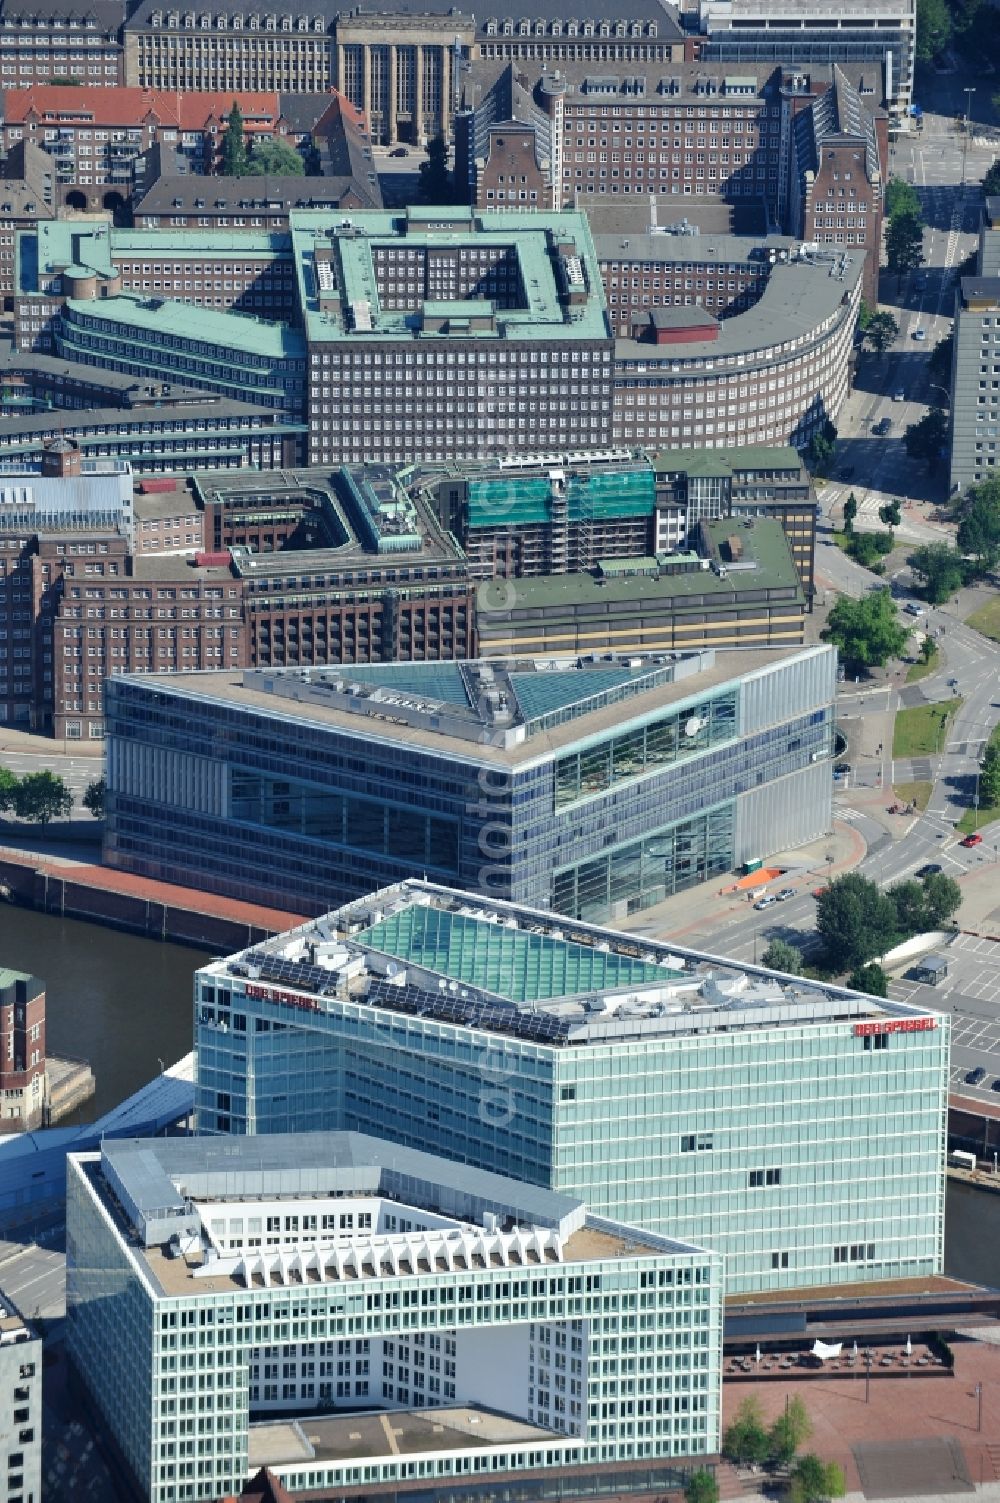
{"type": "Point", "coordinates": [337, 257]}
{"type": "Point", "coordinates": [799, 296]}
{"type": "Point", "coordinates": [511, 712]}
{"type": "Point", "coordinates": [390, 1432]}
{"type": "Point", "coordinates": [340, 1208]}
{"type": "Point", "coordinates": [367, 517]}
{"type": "Point", "coordinates": [452, 958]}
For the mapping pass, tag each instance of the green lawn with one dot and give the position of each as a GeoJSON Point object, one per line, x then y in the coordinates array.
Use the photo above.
{"type": "Point", "coordinates": [921, 669]}
{"type": "Point", "coordinates": [921, 731]}
{"type": "Point", "coordinates": [976, 819]}
{"type": "Point", "coordinates": [986, 619]}
{"type": "Point", "coordinates": [914, 793]}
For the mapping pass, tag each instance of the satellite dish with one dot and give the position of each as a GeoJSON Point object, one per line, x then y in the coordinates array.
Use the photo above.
{"type": "Point", "coordinates": [693, 726]}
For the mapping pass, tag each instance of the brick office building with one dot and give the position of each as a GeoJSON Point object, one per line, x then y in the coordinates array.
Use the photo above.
{"type": "Point", "coordinates": [441, 334]}
{"type": "Point", "coordinates": [22, 1051]}
{"type": "Point", "coordinates": [94, 136]}
{"type": "Point", "coordinates": [45, 40]}
{"type": "Point", "coordinates": [801, 150]}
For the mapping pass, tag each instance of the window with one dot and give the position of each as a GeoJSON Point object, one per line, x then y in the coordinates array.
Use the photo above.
{"type": "Point", "coordinates": [696, 1143]}
{"type": "Point", "coordinates": [761, 1177]}
{"type": "Point", "coordinates": [779, 1260]}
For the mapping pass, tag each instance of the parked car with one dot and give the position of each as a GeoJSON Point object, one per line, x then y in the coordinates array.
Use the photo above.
{"type": "Point", "coordinates": [400, 151]}
{"type": "Point", "coordinates": [929, 869]}
{"type": "Point", "coordinates": [995, 1086]}
{"type": "Point", "coordinates": [971, 840]}
{"type": "Point", "coordinates": [920, 333]}
{"type": "Point", "coordinates": [786, 892]}
{"type": "Point", "coordinates": [765, 901]}
{"type": "Point", "coordinates": [882, 427]}
{"type": "Point", "coordinates": [899, 396]}
{"type": "Point", "coordinates": [975, 1076]}
{"type": "Point", "coordinates": [841, 768]}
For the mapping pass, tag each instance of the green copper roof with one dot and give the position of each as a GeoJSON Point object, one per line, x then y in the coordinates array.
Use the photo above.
{"type": "Point", "coordinates": [512, 963]}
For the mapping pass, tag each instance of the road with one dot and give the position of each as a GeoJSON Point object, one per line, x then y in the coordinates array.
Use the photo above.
{"type": "Point", "coordinates": [34, 1279]}
{"type": "Point", "coordinates": [76, 772]}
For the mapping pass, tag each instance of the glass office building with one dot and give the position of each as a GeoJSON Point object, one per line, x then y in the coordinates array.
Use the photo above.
{"type": "Point", "coordinates": [796, 1128]}
{"type": "Point", "coordinates": [365, 1317]}
{"type": "Point", "coordinates": [596, 788]}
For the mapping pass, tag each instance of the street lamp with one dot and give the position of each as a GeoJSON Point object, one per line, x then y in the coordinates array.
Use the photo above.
{"type": "Point", "coordinates": [965, 138]}
{"type": "Point", "coordinates": [936, 386]}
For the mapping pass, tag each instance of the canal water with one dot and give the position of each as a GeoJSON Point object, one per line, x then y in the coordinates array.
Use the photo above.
{"type": "Point", "coordinates": [119, 1002]}
{"type": "Point", "coordinates": [124, 1004]}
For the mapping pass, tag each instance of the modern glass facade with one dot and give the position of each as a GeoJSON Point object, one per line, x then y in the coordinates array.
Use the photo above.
{"type": "Point", "coordinates": [805, 1145]}
{"type": "Point", "coordinates": [601, 1343]}
{"type": "Point", "coordinates": [593, 814]}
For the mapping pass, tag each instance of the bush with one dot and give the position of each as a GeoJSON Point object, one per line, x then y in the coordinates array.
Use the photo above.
{"type": "Point", "coordinates": [815, 1481]}
{"type": "Point", "coordinates": [701, 1487]}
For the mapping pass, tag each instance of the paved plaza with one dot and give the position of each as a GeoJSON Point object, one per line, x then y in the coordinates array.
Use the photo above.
{"type": "Point", "coordinates": [934, 1421]}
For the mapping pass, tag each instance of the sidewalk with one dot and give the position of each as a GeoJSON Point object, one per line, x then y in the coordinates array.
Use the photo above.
{"type": "Point", "coordinates": [698, 912]}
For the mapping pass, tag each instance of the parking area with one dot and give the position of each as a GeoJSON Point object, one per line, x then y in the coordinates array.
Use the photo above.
{"type": "Point", "coordinates": [971, 993]}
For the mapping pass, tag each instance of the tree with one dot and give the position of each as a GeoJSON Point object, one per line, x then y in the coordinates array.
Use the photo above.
{"type": "Point", "coordinates": [435, 181]}
{"type": "Point", "coordinates": [890, 514]}
{"type": "Point", "coordinates": [943, 898]}
{"type": "Point", "coordinates": [234, 149]}
{"type": "Point", "coordinates": [745, 1440]}
{"type": "Point", "coordinates": [9, 784]}
{"type": "Point", "coordinates": [870, 979]}
{"type": "Point", "coordinates": [781, 956]}
{"type": "Point", "coordinates": [881, 331]}
{"type": "Point", "coordinates": [904, 244]}
{"type": "Point", "coordinates": [273, 157]}
{"type": "Point", "coordinates": [41, 797]}
{"type": "Point", "coordinates": [93, 799]}
{"type": "Point", "coordinates": [941, 568]}
{"type": "Point", "coordinates": [866, 631]}
{"type": "Point", "coordinates": [869, 548]}
{"type": "Point", "coordinates": [789, 1431]}
{"type": "Point", "coordinates": [933, 29]}
{"type": "Point", "coordinates": [989, 776]}
{"type": "Point", "coordinates": [701, 1487]}
{"type": "Point", "coordinates": [979, 524]}
{"type": "Point", "coordinates": [821, 446]}
{"type": "Point", "coordinates": [928, 439]}
{"type": "Point", "coordinates": [815, 1481]}
{"type": "Point", "coordinates": [991, 182]}
{"type": "Point", "coordinates": [850, 512]}
{"type": "Point", "coordinates": [911, 909]}
{"type": "Point", "coordinates": [939, 362]}
{"type": "Point", "coordinates": [856, 920]}
{"type": "Point", "coordinates": [927, 649]}
{"type": "Point", "coordinates": [902, 198]}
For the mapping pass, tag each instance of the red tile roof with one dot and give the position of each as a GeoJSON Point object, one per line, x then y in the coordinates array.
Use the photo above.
{"type": "Point", "coordinates": [63, 104]}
